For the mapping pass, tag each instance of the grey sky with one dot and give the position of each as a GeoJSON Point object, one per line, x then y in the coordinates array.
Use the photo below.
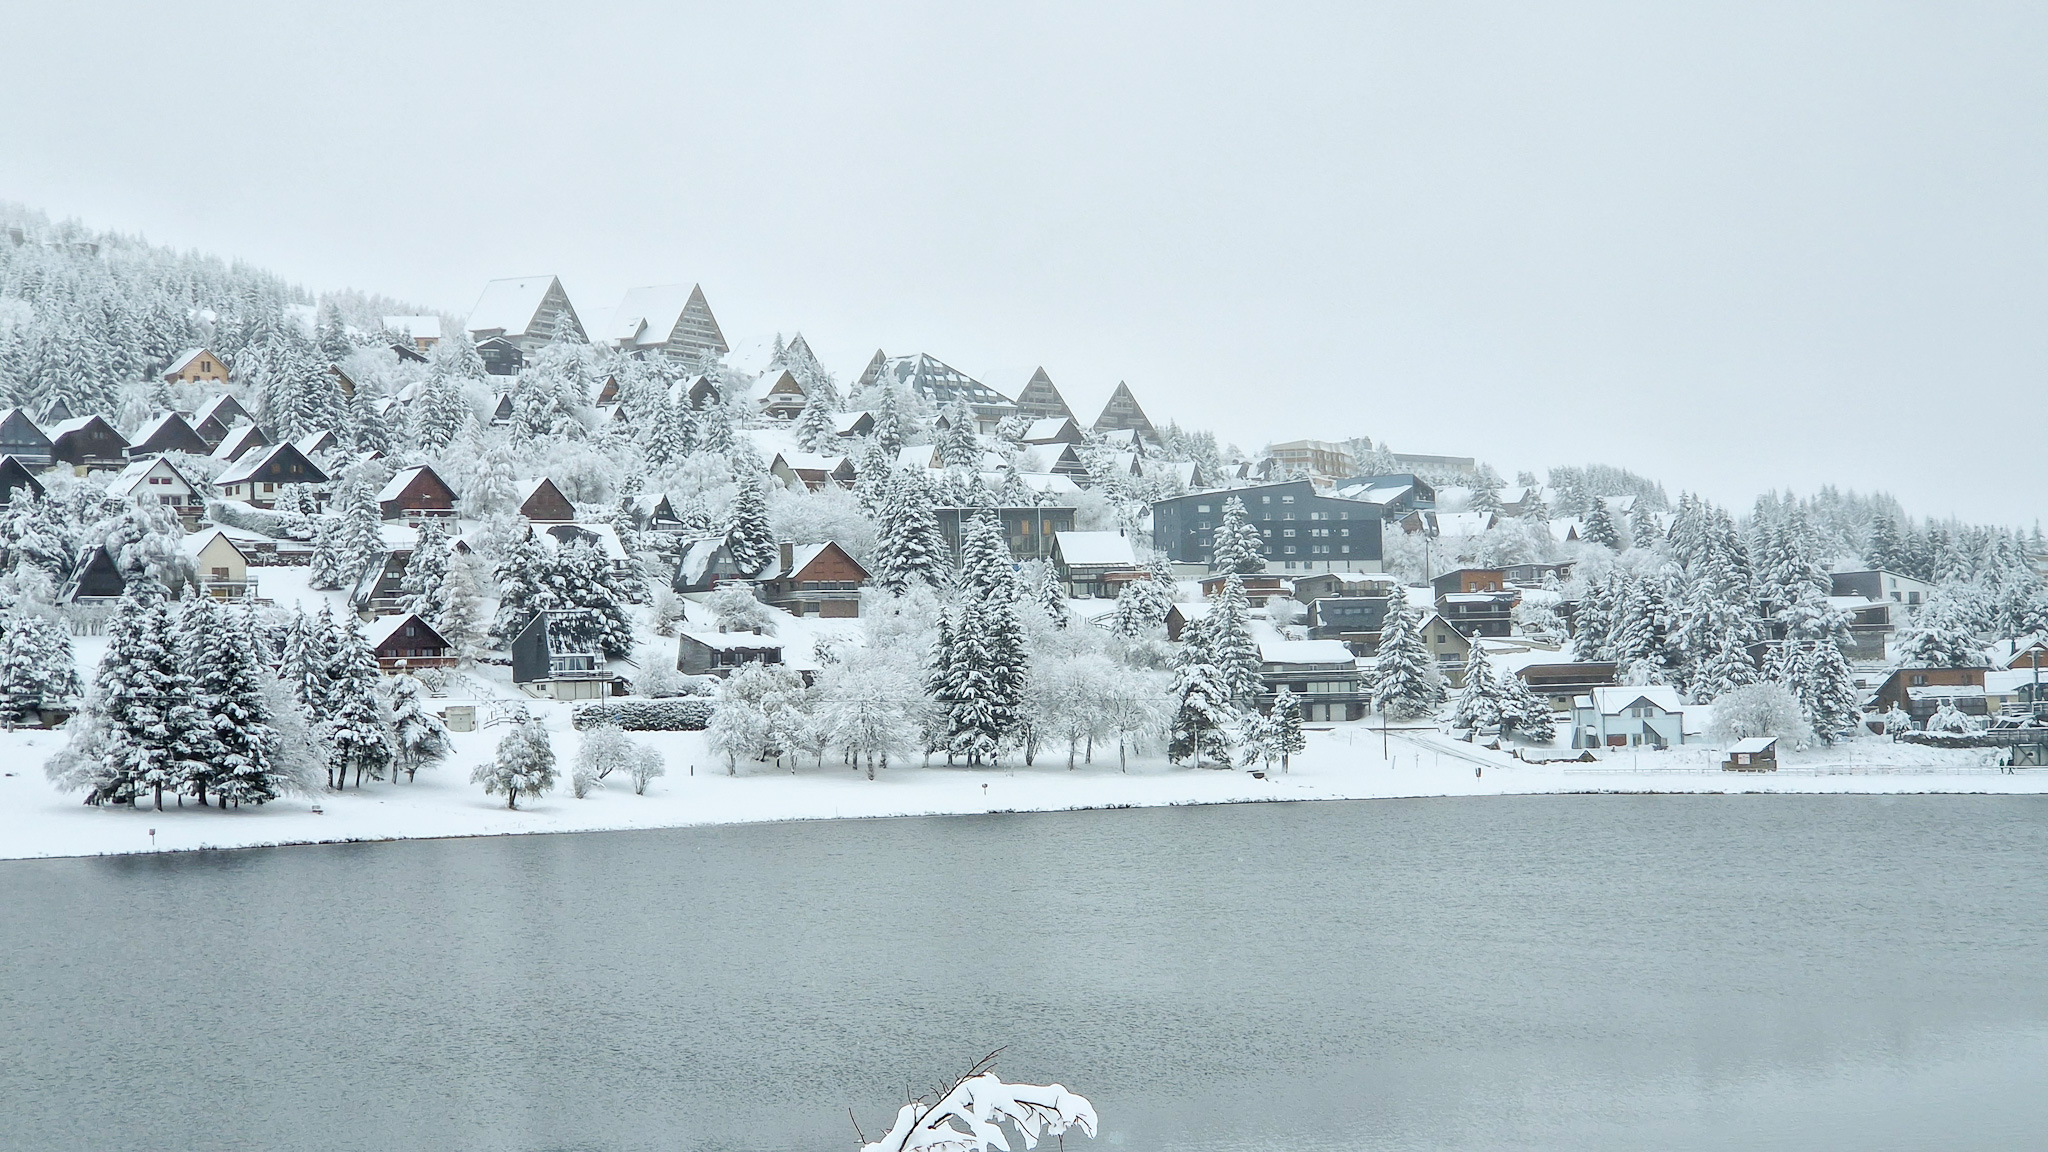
{"type": "Point", "coordinates": [1732, 247]}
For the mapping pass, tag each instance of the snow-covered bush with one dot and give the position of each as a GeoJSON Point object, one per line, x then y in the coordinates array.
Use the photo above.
{"type": "Point", "coordinates": [1948, 718]}
{"type": "Point", "coordinates": [1759, 710]}
{"type": "Point", "coordinates": [968, 1115]}
{"type": "Point", "coordinates": [736, 609]}
{"type": "Point", "coordinates": [605, 749]}
{"type": "Point", "coordinates": [669, 611]}
{"type": "Point", "coordinates": [677, 714]}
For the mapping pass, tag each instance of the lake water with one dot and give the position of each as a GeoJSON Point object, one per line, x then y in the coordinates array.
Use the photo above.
{"type": "Point", "coordinates": [1496, 973]}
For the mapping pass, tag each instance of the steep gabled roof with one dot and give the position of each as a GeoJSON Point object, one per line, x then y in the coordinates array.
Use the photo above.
{"type": "Point", "coordinates": [183, 360]}
{"type": "Point", "coordinates": [132, 476]}
{"type": "Point", "coordinates": [170, 428]}
{"type": "Point", "coordinates": [239, 440]}
{"type": "Point", "coordinates": [224, 407]}
{"type": "Point", "coordinates": [1122, 411]}
{"type": "Point", "coordinates": [653, 316]}
{"type": "Point", "coordinates": [1039, 398]}
{"type": "Point", "coordinates": [939, 383]}
{"type": "Point", "coordinates": [385, 627]}
{"type": "Point", "coordinates": [246, 468]}
{"type": "Point", "coordinates": [511, 306]}
{"type": "Point", "coordinates": [417, 327]}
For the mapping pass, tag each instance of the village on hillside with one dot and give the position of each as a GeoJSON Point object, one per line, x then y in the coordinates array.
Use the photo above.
{"type": "Point", "coordinates": [258, 543]}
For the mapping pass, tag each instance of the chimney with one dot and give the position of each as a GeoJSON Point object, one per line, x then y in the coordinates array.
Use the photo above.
{"type": "Point", "coordinates": [788, 558]}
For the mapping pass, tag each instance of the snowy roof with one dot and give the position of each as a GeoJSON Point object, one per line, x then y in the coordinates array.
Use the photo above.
{"type": "Point", "coordinates": [809, 461]}
{"type": "Point", "coordinates": [1477, 597]}
{"type": "Point", "coordinates": [1375, 490]}
{"type": "Point", "coordinates": [603, 535]}
{"type": "Point", "coordinates": [646, 316]}
{"type": "Point", "coordinates": [1612, 700]}
{"type": "Point", "coordinates": [752, 354]}
{"type": "Point", "coordinates": [246, 467]}
{"type": "Point", "coordinates": [1947, 691]}
{"type": "Point", "coordinates": [1095, 549]}
{"type": "Point", "coordinates": [918, 456]}
{"type": "Point", "coordinates": [1046, 429]}
{"type": "Point", "coordinates": [1048, 482]}
{"type": "Point", "coordinates": [1464, 523]}
{"type": "Point", "coordinates": [399, 479]}
{"type": "Point", "coordinates": [76, 423]}
{"type": "Point", "coordinates": [150, 429]}
{"type": "Point", "coordinates": [697, 555]}
{"type": "Point", "coordinates": [843, 422]}
{"type": "Point", "coordinates": [184, 359]}
{"type": "Point", "coordinates": [313, 442]}
{"type": "Point", "coordinates": [735, 641]}
{"type": "Point", "coordinates": [1753, 745]}
{"type": "Point", "coordinates": [212, 407]}
{"type": "Point", "coordinates": [510, 305]}
{"type": "Point", "coordinates": [524, 490]}
{"type": "Point", "coordinates": [2005, 681]}
{"type": "Point", "coordinates": [1305, 652]}
{"type": "Point", "coordinates": [196, 543]}
{"type": "Point", "coordinates": [418, 327]}
{"type": "Point", "coordinates": [132, 476]}
{"type": "Point", "coordinates": [383, 627]}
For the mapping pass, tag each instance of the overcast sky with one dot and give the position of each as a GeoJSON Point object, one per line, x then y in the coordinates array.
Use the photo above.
{"type": "Point", "coordinates": [1734, 248]}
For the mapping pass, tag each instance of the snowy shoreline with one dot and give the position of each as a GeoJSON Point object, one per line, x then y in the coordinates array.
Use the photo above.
{"type": "Point", "coordinates": [1341, 763]}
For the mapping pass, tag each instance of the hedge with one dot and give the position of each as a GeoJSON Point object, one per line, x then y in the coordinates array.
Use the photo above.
{"type": "Point", "coordinates": [673, 714]}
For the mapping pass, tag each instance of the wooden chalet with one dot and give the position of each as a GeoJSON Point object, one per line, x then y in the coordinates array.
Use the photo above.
{"type": "Point", "coordinates": [501, 409]}
{"type": "Point", "coordinates": [406, 643]}
{"type": "Point", "coordinates": [702, 392]}
{"type": "Point", "coordinates": [96, 580]}
{"type": "Point", "coordinates": [608, 392]}
{"type": "Point", "coordinates": [500, 356]}
{"type": "Point", "coordinates": [719, 653]}
{"type": "Point", "coordinates": [193, 365]}
{"type": "Point", "coordinates": [1920, 692]}
{"type": "Point", "coordinates": [215, 418]}
{"type": "Point", "coordinates": [88, 444]}
{"type": "Point", "coordinates": [54, 413]}
{"type": "Point", "coordinates": [256, 477]}
{"type": "Point", "coordinates": [705, 564]}
{"type": "Point", "coordinates": [1053, 430]}
{"type": "Point", "coordinates": [1259, 587]}
{"type": "Point", "coordinates": [543, 503]}
{"type": "Point", "coordinates": [853, 424]}
{"type": "Point", "coordinates": [803, 470]}
{"type": "Point", "coordinates": [15, 477]}
{"type": "Point", "coordinates": [544, 665]}
{"type": "Point", "coordinates": [167, 433]}
{"type": "Point", "coordinates": [240, 441]}
{"type": "Point", "coordinates": [159, 478]}
{"type": "Point", "coordinates": [652, 512]}
{"type": "Point", "coordinates": [1558, 684]}
{"type": "Point", "coordinates": [416, 493]}
{"type": "Point", "coordinates": [1095, 565]}
{"type": "Point", "coordinates": [343, 382]}
{"type": "Point", "coordinates": [814, 580]}
{"type": "Point", "coordinates": [20, 438]}
{"type": "Point", "coordinates": [778, 395]}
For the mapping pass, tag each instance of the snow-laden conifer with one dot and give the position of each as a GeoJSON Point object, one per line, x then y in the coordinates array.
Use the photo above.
{"type": "Point", "coordinates": [1479, 702]}
{"type": "Point", "coordinates": [1228, 633]}
{"type": "Point", "coordinates": [748, 538]}
{"type": "Point", "coordinates": [1236, 545]}
{"type": "Point", "coordinates": [37, 669]}
{"type": "Point", "coordinates": [524, 764]}
{"type": "Point", "coordinates": [1406, 684]}
{"type": "Point", "coordinates": [418, 737]}
{"type": "Point", "coordinates": [357, 728]}
{"type": "Point", "coordinates": [910, 551]}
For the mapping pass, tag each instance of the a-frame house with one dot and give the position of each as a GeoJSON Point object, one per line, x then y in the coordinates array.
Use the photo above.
{"type": "Point", "coordinates": [15, 477]}
{"type": "Point", "coordinates": [1041, 401]}
{"type": "Point", "coordinates": [667, 318]}
{"type": "Point", "coordinates": [20, 437]}
{"type": "Point", "coordinates": [1122, 413]}
{"type": "Point", "coordinates": [543, 503]}
{"type": "Point", "coordinates": [167, 433]}
{"type": "Point", "coordinates": [526, 312]}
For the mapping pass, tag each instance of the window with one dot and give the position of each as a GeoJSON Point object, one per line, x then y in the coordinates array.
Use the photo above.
{"type": "Point", "coordinates": [1919, 681]}
{"type": "Point", "coordinates": [268, 486]}
{"type": "Point", "coordinates": [1201, 523]}
{"type": "Point", "coordinates": [1345, 549]}
{"type": "Point", "coordinates": [1289, 533]}
{"type": "Point", "coordinates": [1343, 531]}
{"type": "Point", "coordinates": [411, 631]}
{"type": "Point", "coordinates": [1287, 499]}
{"type": "Point", "coordinates": [1201, 507]}
{"type": "Point", "coordinates": [1290, 552]}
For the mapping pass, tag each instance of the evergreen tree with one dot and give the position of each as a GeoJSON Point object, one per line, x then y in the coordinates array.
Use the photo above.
{"type": "Point", "coordinates": [525, 588]}
{"type": "Point", "coordinates": [1203, 715]}
{"type": "Point", "coordinates": [1725, 667]}
{"type": "Point", "coordinates": [910, 550]}
{"type": "Point", "coordinates": [1523, 712]}
{"type": "Point", "coordinates": [959, 447]}
{"type": "Point", "coordinates": [441, 411]}
{"type": "Point", "coordinates": [1140, 608]}
{"type": "Point", "coordinates": [524, 765]}
{"type": "Point", "coordinates": [1884, 549]}
{"type": "Point", "coordinates": [1231, 647]}
{"type": "Point", "coordinates": [227, 681]}
{"type": "Point", "coordinates": [37, 669]}
{"type": "Point", "coordinates": [1827, 693]}
{"type": "Point", "coordinates": [425, 584]}
{"type": "Point", "coordinates": [1287, 725]}
{"type": "Point", "coordinates": [1479, 701]}
{"type": "Point", "coordinates": [1406, 684]}
{"type": "Point", "coordinates": [587, 582]}
{"type": "Point", "coordinates": [1940, 635]}
{"type": "Point", "coordinates": [154, 734]}
{"type": "Point", "coordinates": [817, 427]}
{"type": "Point", "coordinates": [361, 543]}
{"type": "Point", "coordinates": [872, 475]}
{"type": "Point", "coordinates": [1051, 598]}
{"type": "Point", "coordinates": [1600, 527]}
{"type": "Point", "coordinates": [355, 722]}
{"type": "Point", "coordinates": [461, 621]}
{"type": "Point", "coordinates": [888, 421]}
{"type": "Point", "coordinates": [307, 651]}
{"type": "Point", "coordinates": [330, 561]}
{"type": "Point", "coordinates": [1237, 545]}
{"type": "Point", "coordinates": [418, 736]}
{"type": "Point", "coordinates": [748, 538]}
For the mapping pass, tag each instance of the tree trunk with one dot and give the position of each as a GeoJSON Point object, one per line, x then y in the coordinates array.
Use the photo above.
{"type": "Point", "coordinates": [871, 764]}
{"type": "Point", "coordinates": [159, 797]}
{"type": "Point", "coordinates": [1090, 757]}
{"type": "Point", "coordinates": [1123, 762]}
{"type": "Point", "coordinates": [512, 798]}
{"type": "Point", "coordinates": [1071, 742]}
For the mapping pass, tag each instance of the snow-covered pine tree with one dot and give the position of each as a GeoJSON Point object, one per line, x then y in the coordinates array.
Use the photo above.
{"type": "Point", "coordinates": [964, 686]}
{"type": "Point", "coordinates": [1287, 725]}
{"type": "Point", "coordinates": [356, 726]}
{"type": "Point", "coordinates": [425, 584]}
{"type": "Point", "coordinates": [817, 426]}
{"type": "Point", "coordinates": [748, 539]}
{"type": "Point", "coordinates": [462, 622]}
{"type": "Point", "coordinates": [227, 679]}
{"type": "Point", "coordinates": [888, 420]}
{"type": "Point", "coordinates": [1232, 649]}
{"type": "Point", "coordinates": [1479, 702]}
{"type": "Point", "coordinates": [1883, 550]}
{"type": "Point", "coordinates": [910, 551]}
{"type": "Point", "coordinates": [362, 533]}
{"type": "Point", "coordinates": [959, 447]}
{"type": "Point", "coordinates": [329, 564]}
{"type": "Point", "coordinates": [1406, 684]}
{"type": "Point", "coordinates": [37, 669]}
{"type": "Point", "coordinates": [1600, 527]}
{"type": "Point", "coordinates": [524, 765]}
{"type": "Point", "coordinates": [1203, 716]}
{"type": "Point", "coordinates": [1940, 635]}
{"type": "Point", "coordinates": [1725, 667]}
{"type": "Point", "coordinates": [1523, 712]}
{"type": "Point", "coordinates": [1827, 692]}
{"type": "Point", "coordinates": [1236, 545]}
{"type": "Point", "coordinates": [526, 587]}
{"type": "Point", "coordinates": [1051, 597]}
{"type": "Point", "coordinates": [307, 651]}
{"type": "Point", "coordinates": [440, 411]}
{"type": "Point", "coordinates": [1642, 529]}
{"type": "Point", "coordinates": [587, 581]}
{"type": "Point", "coordinates": [154, 734]}
{"type": "Point", "coordinates": [418, 737]}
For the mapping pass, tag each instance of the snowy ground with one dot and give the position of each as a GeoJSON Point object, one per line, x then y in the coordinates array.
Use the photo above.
{"type": "Point", "coordinates": [1342, 762]}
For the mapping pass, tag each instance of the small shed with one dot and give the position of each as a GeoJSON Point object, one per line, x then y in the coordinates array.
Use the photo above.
{"type": "Point", "coordinates": [1756, 754]}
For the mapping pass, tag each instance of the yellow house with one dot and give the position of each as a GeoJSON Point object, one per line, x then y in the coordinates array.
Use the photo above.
{"type": "Point", "coordinates": [196, 364]}
{"type": "Point", "coordinates": [223, 566]}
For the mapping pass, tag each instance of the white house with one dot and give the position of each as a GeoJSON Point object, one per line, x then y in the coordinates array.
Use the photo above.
{"type": "Point", "coordinates": [1625, 717]}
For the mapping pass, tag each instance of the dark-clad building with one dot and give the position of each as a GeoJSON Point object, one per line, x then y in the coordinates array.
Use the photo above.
{"type": "Point", "coordinates": [1029, 531]}
{"type": "Point", "coordinates": [416, 493]}
{"type": "Point", "coordinates": [167, 433]}
{"type": "Point", "coordinates": [15, 477]}
{"type": "Point", "coordinates": [88, 444]}
{"type": "Point", "coordinates": [20, 438]}
{"type": "Point", "coordinates": [1303, 530]}
{"type": "Point", "coordinates": [256, 477]}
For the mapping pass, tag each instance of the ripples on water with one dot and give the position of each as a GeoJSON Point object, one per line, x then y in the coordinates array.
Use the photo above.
{"type": "Point", "coordinates": [1543, 973]}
